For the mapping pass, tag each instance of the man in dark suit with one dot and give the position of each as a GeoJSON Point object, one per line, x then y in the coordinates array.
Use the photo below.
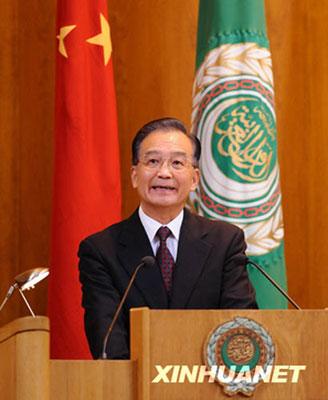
{"type": "Point", "coordinates": [200, 263]}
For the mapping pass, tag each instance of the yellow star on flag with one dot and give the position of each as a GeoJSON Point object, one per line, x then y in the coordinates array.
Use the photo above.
{"type": "Point", "coordinates": [63, 32]}
{"type": "Point", "coordinates": [103, 39]}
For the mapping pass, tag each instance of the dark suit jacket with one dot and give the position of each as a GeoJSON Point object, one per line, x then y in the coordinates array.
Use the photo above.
{"type": "Point", "coordinates": [209, 273]}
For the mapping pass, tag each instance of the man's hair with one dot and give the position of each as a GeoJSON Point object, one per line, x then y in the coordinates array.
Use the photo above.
{"type": "Point", "coordinates": [164, 124]}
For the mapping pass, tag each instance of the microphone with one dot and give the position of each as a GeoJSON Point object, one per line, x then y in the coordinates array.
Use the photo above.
{"type": "Point", "coordinates": [147, 262]}
{"type": "Point", "coordinates": [274, 283]}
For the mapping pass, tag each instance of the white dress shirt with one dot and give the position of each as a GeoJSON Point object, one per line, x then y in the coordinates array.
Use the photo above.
{"type": "Point", "coordinates": [151, 227]}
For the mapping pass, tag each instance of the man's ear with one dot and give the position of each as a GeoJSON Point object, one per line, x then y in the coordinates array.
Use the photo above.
{"type": "Point", "coordinates": [134, 179]}
{"type": "Point", "coordinates": [195, 179]}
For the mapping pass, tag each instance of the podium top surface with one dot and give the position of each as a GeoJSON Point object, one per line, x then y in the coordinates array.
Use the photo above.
{"type": "Point", "coordinates": [24, 324]}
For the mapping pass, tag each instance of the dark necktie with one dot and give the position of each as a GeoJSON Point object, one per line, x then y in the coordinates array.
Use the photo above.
{"type": "Point", "coordinates": [164, 257]}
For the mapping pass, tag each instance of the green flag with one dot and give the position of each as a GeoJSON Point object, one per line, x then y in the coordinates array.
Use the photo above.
{"type": "Point", "coordinates": [233, 116]}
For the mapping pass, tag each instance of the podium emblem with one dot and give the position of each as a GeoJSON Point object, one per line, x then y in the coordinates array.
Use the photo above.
{"type": "Point", "coordinates": [239, 353]}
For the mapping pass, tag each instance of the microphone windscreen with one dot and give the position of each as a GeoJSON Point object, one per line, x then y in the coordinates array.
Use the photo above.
{"type": "Point", "coordinates": [148, 261]}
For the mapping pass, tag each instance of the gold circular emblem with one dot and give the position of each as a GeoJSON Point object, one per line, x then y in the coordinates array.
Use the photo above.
{"type": "Point", "coordinates": [240, 349]}
{"type": "Point", "coordinates": [241, 344]}
{"type": "Point", "coordinates": [234, 350]}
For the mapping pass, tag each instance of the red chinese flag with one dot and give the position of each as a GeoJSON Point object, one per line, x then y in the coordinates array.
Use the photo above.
{"type": "Point", "coordinates": [87, 192]}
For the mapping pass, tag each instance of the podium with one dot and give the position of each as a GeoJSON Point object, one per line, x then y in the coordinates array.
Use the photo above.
{"type": "Point", "coordinates": [163, 343]}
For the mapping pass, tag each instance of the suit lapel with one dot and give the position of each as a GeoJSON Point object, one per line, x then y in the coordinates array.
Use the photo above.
{"type": "Point", "coordinates": [133, 246]}
{"type": "Point", "coordinates": [193, 251]}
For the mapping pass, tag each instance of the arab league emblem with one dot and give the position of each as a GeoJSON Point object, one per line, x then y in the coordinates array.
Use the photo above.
{"type": "Point", "coordinates": [237, 350]}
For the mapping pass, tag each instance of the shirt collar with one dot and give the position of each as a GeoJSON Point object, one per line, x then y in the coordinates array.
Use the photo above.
{"type": "Point", "coordinates": [151, 225]}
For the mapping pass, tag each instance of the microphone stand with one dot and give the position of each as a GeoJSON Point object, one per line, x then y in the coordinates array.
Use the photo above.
{"type": "Point", "coordinates": [148, 261]}
{"type": "Point", "coordinates": [275, 284]}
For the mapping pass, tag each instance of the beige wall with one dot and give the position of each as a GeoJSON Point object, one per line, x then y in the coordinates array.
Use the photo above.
{"type": "Point", "coordinates": [154, 53]}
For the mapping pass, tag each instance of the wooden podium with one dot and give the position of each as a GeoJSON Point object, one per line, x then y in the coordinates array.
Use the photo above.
{"type": "Point", "coordinates": [162, 338]}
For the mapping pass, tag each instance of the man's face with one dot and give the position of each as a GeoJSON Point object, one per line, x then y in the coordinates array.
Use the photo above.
{"type": "Point", "coordinates": [164, 175]}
